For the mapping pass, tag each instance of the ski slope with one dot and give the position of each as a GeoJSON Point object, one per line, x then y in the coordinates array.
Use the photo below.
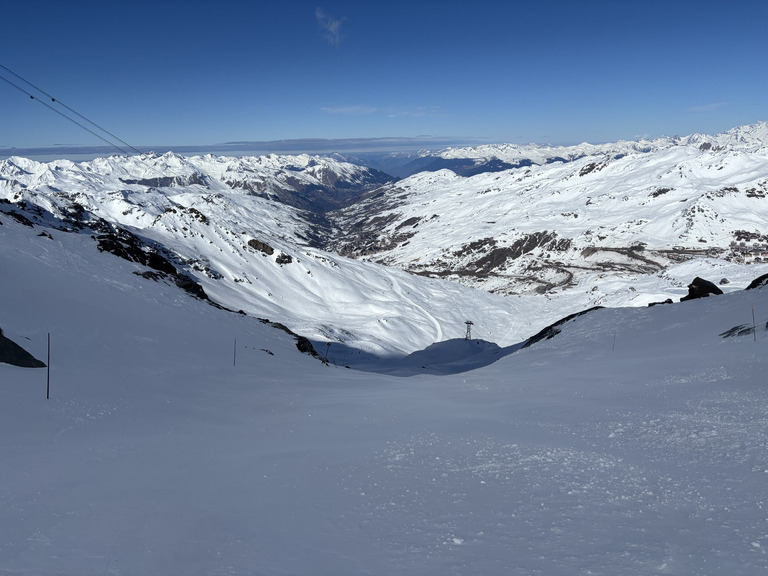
{"type": "Point", "coordinates": [184, 439]}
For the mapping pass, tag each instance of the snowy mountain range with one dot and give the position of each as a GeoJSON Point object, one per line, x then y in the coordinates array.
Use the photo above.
{"type": "Point", "coordinates": [218, 226]}
{"type": "Point", "coordinates": [467, 161]}
{"type": "Point", "coordinates": [187, 431]}
{"type": "Point", "coordinates": [601, 221]}
{"type": "Point", "coordinates": [345, 254]}
{"type": "Point", "coordinates": [185, 438]}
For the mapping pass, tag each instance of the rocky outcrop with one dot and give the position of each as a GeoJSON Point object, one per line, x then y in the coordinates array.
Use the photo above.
{"type": "Point", "coordinates": [700, 288]}
{"type": "Point", "coordinates": [758, 282]}
{"type": "Point", "coordinates": [302, 342]}
{"type": "Point", "coordinates": [554, 329]}
{"type": "Point", "coordinates": [13, 354]}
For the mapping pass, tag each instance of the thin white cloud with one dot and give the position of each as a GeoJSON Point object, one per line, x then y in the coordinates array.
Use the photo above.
{"type": "Point", "coordinates": [355, 110]}
{"type": "Point", "coordinates": [416, 112]}
{"type": "Point", "coordinates": [390, 112]}
{"type": "Point", "coordinates": [330, 26]}
{"type": "Point", "coordinates": [707, 107]}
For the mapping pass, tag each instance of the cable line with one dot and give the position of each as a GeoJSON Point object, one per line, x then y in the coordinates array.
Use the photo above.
{"type": "Point", "coordinates": [59, 102]}
{"type": "Point", "coordinates": [60, 113]}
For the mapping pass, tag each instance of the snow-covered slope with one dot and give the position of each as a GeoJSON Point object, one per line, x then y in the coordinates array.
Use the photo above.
{"type": "Point", "coordinates": [633, 442]}
{"type": "Point", "coordinates": [628, 223]}
{"type": "Point", "coordinates": [608, 227]}
{"type": "Point", "coordinates": [249, 253]}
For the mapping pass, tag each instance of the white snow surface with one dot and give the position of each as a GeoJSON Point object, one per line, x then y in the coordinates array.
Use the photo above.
{"type": "Point", "coordinates": [669, 197]}
{"type": "Point", "coordinates": [319, 295]}
{"type": "Point", "coordinates": [635, 442]}
{"type": "Point", "coordinates": [665, 195]}
{"type": "Point", "coordinates": [753, 137]}
{"type": "Point", "coordinates": [672, 196]}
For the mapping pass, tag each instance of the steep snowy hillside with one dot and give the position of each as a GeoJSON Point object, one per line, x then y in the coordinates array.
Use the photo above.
{"type": "Point", "coordinates": [629, 223]}
{"type": "Point", "coordinates": [181, 224]}
{"type": "Point", "coordinates": [633, 442]}
{"type": "Point", "coordinates": [610, 227]}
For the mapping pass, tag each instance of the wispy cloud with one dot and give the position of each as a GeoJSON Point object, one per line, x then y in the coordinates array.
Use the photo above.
{"type": "Point", "coordinates": [355, 110]}
{"type": "Point", "coordinates": [389, 112]}
{"type": "Point", "coordinates": [416, 112]}
{"type": "Point", "coordinates": [330, 26]}
{"type": "Point", "coordinates": [707, 107]}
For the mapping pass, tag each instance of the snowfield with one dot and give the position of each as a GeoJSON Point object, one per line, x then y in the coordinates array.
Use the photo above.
{"type": "Point", "coordinates": [247, 251]}
{"type": "Point", "coordinates": [581, 230]}
{"type": "Point", "coordinates": [185, 439]}
{"type": "Point", "coordinates": [569, 228]}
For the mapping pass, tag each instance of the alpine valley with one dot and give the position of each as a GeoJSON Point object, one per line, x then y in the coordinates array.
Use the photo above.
{"type": "Point", "coordinates": [510, 237]}
{"type": "Point", "coordinates": [157, 418]}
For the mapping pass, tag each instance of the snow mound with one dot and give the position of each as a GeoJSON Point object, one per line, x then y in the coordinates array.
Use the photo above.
{"type": "Point", "coordinates": [441, 358]}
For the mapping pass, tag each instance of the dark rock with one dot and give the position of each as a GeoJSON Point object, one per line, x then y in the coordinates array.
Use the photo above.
{"type": "Point", "coordinates": [20, 218]}
{"type": "Point", "coordinates": [161, 263]}
{"type": "Point", "coordinates": [305, 346]}
{"type": "Point", "coordinates": [283, 259]}
{"type": "Point", "coordinates": [13, 354]}
{"type": "Point", "coordinates": [128, 246]}
{"type": "Point", "coordinates": [667, 301]}
{"type": "Point", "coordinates": [186, 283]}
{"type": "Point", "coordinates": [410, 222]}
{"type": "Point", "coordinates": [261, 246]}
{"type": "Point", "coordinates": [700, 288]}
{"type": "Point", "coordinates": [168, 181]}
{"type": "Point", "coordinates": [151, 275]}
{"type": "Point", "coordinates": [191, 287]}
{"type": "Point", "coordinates": [553, 329]}
{"type": "Point", "coordinates": [758, 282]}
{"type": "Point", "coordinates": [741, 330]}
{"type": "Point", "coordinates": [302, 342]}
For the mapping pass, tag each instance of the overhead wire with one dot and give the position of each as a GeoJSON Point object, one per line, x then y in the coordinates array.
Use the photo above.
{"type": "Point", "coordinates": [59, 112]}
{"type": "Point", "coordinates": [135, 150]}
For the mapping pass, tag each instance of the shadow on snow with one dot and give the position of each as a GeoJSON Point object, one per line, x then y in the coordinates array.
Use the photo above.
{"type": "Point", "coordinates": [442, 358]}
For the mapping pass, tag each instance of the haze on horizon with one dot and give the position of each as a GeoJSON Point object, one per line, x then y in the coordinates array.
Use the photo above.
{"type": "Point", "coordinates": [192, 74]}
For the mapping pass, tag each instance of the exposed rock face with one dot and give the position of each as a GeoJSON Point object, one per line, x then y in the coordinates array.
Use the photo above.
{"type": "Point", "coordinates": [168, 181]}
{"type": "Point", "coordinates": [13, 354]}
{"type": "Point", "coordinates": [758, 282]}
{"type": "Point", "coordinates": [128, 246]}
{"type": "Point", "coordinates": [700, 288]}
{"type": "Point", "coordinates": [302, 342]}
{"type": "Point", "coordinates": [261, 246]}
{"type": "Point", "coordinates": [554, 329]}
{"type": "Point", "coordinates": [283, 259]}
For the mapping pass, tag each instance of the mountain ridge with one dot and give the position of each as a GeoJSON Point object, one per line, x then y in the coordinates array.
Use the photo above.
{"type": "Point", "coordinates": [522, 247]}
{"type": "Point", "coordinates": [548, 227]}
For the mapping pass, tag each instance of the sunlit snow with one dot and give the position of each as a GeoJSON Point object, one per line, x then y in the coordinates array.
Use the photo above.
{"type": "Point", "coordinates": [184, 439]}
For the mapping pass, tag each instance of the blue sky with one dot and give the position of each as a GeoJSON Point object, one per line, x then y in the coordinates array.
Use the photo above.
{"type": "Point", "coordinates": [197, 73]}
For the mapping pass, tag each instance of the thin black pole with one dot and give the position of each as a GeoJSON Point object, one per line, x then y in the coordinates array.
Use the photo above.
{"type": "Point", "coordinates": [754, 326]}
{"type": "Point", "coordinates": [48, 377]}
